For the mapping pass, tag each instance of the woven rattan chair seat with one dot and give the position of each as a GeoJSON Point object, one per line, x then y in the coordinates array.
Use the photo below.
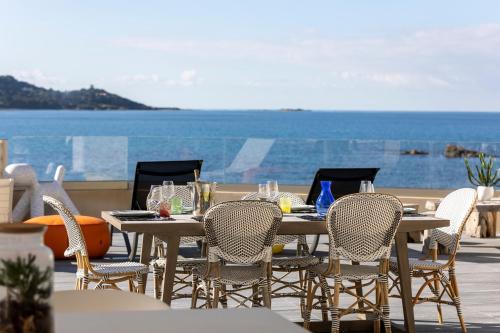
{"type": "Point", "coordinates": [418, 265]}
{"type": "Point", "coordinates": [186, 263]}
{"type": "Point", "coordinates": [350, 272]}
{"type": "Point", "coordinates": [120, 268]}
{"type": "Point", "coordinates": [295, 261]}
{"type": "Point", "coordinates": [235, 274]}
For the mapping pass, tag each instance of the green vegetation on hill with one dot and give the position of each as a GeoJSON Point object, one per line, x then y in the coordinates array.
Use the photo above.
{"type": "Point", "coordinates": [16, 94]}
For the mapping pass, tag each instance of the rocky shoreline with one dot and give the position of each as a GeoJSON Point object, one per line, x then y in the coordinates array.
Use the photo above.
{"type": "Point", "coordinates": [450, 151]}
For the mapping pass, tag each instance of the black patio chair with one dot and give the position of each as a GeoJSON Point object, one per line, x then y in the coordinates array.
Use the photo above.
{"type": "Point", "coordinates": [344, 181]}
{"type": "Point", "coordinates": [154, 173]}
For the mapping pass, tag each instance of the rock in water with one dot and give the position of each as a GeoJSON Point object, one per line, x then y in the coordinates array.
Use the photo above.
{"type": "Point", "coordinates": [455, 151]}
{"type": "Point", "coordinates": [414, 152]}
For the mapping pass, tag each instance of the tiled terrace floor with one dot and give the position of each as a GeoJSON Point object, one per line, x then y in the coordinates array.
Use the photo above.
{"type": "Point", "coordinates": [478, 271]}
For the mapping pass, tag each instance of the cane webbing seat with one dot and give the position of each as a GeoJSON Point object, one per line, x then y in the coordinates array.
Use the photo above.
{"type": "Point", "coordinates": [295, 261]}
{"type": "Point", "coordinates": [350, 272]}
{"type": "Point", "coordinates": [418, 264]}
{"type": "Point", "coordinates": [240, 235]}
{"type": "Point", "coordinates": [439, 276]}
{"type": "Point", "coordinates": [361, 228]}
{"type": "Point", "coordinates": [118, 268]}
{"type": "Point", "coordinates": [105, 275]}
{"type": "Point", "coordinates": [235, 274]}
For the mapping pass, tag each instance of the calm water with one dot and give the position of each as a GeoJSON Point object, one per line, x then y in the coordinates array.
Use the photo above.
{"type": "Point", "coordinates": [251, 146]}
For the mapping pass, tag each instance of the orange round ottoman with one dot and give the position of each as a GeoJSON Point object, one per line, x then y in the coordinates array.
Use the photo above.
{"type": "Point", "coordinates": [95, 231]}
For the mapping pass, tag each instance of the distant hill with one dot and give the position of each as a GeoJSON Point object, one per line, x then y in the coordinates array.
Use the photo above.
{"type": "Point", "coordinates": [16, 94]}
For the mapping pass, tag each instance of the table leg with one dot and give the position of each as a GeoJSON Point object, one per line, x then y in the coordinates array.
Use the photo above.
{"type": "Point", "coordinates": [171, 265]}
{"type": "Point", "coordinates": [147, 242]}
{"type": "Point", "coordinates": [405, 280]}
{"type": "Point", "coordinates": [493, 232]}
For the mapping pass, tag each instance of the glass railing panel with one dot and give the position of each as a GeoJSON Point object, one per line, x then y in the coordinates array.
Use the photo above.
{"type": "Point", "coordinates": [247, 160]}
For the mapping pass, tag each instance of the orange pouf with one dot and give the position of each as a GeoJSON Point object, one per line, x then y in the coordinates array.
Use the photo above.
{"type": "Point", "coordinates": [95, 232]}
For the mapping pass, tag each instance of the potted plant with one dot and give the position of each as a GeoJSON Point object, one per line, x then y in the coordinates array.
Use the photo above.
{"type": "Point", "coordinates": [484, 177]}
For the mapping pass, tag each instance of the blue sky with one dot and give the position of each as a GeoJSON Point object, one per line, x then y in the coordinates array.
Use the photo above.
{"type": "Point", "coordinates": [359, 55]}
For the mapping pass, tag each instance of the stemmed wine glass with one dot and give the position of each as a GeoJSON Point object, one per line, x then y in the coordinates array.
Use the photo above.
{"type": "Point", "coordinates": [272, 190]}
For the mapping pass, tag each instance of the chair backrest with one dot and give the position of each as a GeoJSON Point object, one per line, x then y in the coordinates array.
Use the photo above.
{"type": "Point", "coordinates": [362, 226]}
{"type": "Point", "coordinates": [296, 201]}
{"type": "Point", "coordinates": [241, 231]}
{"type": "Point", "coordinates": [344, 181]}
{"type": "Point", "coordinates": [184, 192]}
{"type": "Point", "coordinates": [6, 192]}
{"type": "Point", "coordinates": [456, 207]}
{"type": "Point", "coordinates": [75, 235]}
{"type": "Point", "coordinates": [155, 172]}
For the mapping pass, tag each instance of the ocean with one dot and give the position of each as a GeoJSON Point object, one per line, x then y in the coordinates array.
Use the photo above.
{"type": "Point", "coordinates": [251, 146]}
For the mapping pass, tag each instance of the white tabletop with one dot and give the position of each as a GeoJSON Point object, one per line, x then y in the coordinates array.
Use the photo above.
{"type": "Point", "coordinates": [185, 321]}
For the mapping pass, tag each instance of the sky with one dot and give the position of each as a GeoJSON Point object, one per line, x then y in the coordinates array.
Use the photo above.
{"type": "Point", "coordinates": [327, 55]}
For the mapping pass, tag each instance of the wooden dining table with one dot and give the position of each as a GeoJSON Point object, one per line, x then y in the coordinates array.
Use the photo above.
{"type": "Point", "coordinates": [293, 224]}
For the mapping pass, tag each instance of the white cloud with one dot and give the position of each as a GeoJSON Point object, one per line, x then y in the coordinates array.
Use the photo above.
{"type": "Point", "coordinates": [188, 77]}
{"type": "Point", "coordinates": [441, 58]}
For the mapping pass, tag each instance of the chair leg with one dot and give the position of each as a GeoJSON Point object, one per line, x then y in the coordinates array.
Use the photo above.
{"type": "Point", "coordinates": [158, 280]}
{"type": "Point", "coordinates": [216, 288]}
{"type": "Point", "coordinates": [334, 304]}
{"type": "Point", "coordinates": [384, 295]}
{"type": "Point", "coordinates": [309, 301]}
{"type": "Point", "coordinates": [378, 303]}
{"type": "Point", "coordinates": [255, 296]}
{"type": "Point", "coordinates": [140, 284]}
{"type": "Point", "coordinates": [438, 305]}
{"type": "Point", "coordinates": [266, 295]}
{"type": "Point", "coordinates": [84, 283]}
{"type": "Point", "coordinates": [194, 292]}
{"type": "Point", "coordinates": [78, 284]}
{"type": "Point", "coordinates": [456, 298]}
{"type": "Point", "coordinates": [223, 298]}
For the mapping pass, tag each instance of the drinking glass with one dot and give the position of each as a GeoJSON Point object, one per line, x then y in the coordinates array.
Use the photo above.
{"type": "Point", "coordinates": [286, 205]}
{"type": "Point", "coordinates": [168, 189]}
{"type": "Point", "coordinates": [176, 205]}
{"type": "Point", "coordinates": [154, 198]}
{"type": "Point", "coordinates": [262, 194]}
{"type": "Point", "coordinates": [165, 206]}
{"type": "Point", "coordinates": [272, 190]}
{"type": "Point", "coordinates": [366, 186]}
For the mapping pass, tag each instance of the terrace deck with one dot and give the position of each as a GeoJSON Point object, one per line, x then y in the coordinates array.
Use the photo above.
{"type": "Point", "coordinates": [478, 270]}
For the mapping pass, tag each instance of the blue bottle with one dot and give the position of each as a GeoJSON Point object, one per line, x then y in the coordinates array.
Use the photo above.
{"type": "Point", "coordinates": [325, 198]}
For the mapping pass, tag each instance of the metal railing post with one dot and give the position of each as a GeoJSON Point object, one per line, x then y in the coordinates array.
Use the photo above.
{"type": "Point", "coordinates": [3, 155]}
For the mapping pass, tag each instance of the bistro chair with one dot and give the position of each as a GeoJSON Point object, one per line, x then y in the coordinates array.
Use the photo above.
{"type": "Point", "coordinates": [456, 207]}
{"type": "Point", "coordinates": [184, 265]}
{"type": "Point", "coordinates": [240, 235]}
{"type": "Point", "coordinates": [154, 173]}
{"type": "Point", "coordinates": [6, 192]}
{"type": "Point", "coordinates": [345, 181]}
{"type": "Point", "coordinates": [286, 265]}
{"type": "Point", "coordinates": [105, 275]}
{"type": "Point", "coordinates": [361, 228]}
